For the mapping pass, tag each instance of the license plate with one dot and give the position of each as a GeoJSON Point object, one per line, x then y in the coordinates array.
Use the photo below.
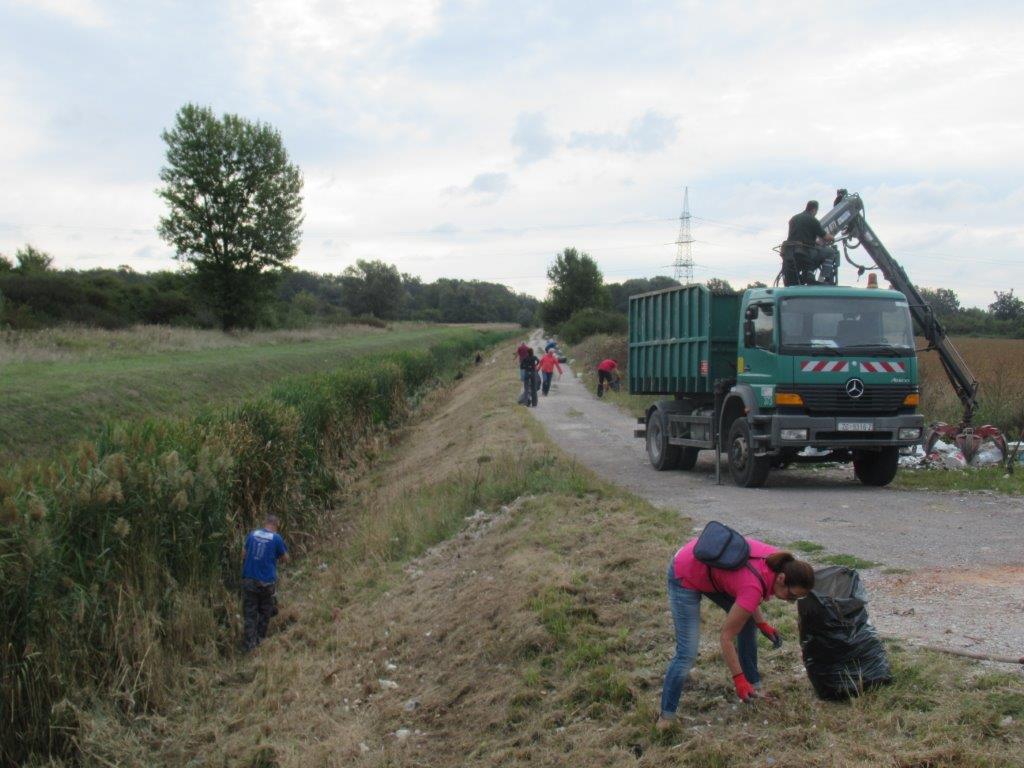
{"type": "Point", "coordinates": [855, 426]}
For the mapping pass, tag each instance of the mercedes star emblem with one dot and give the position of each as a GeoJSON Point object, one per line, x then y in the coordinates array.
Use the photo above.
{"type": "Point", "coordinates": [854, 388]}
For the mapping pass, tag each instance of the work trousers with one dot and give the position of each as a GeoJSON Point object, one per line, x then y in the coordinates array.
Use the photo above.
{"type": "Point", "coordinates": [606, 378]}
{"type": "Point", "coordinates": [258, 605]}
{"type": "Point", "coordinates": [685, 606]}
{"type": "Point", "coordinates": [530, 389]}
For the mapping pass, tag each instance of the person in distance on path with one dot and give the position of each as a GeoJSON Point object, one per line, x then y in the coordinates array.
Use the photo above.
{"type": "Point", "coordinates": [771, 573]}
{"type": "Point", "coordinates": [606, 372]}
{"type": "Point", "coordinates": [548, 364]}
{"type": "Point", "coordinates": [528, 367]}
{"type": "Point", "coordinates": [522, 351]}
{"type": "Point", "coordinates": [263, 548]}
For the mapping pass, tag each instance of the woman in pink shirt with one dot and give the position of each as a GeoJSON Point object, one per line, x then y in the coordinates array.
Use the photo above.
{"type": "Point", "coordinates": [769, 573]}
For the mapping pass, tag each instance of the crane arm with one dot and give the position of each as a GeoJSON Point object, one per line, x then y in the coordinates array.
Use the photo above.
{"type": "Point", "coordinates": [846, 221]}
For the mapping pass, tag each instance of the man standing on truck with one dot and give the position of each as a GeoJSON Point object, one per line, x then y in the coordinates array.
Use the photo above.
{"type": "Point", "coordinates": [803, 250]}
{"type": "Point", "coordinates": [263, 548]}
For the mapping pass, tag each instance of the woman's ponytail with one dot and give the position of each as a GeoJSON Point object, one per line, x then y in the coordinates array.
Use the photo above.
{"type": "Point", "coordinates": [798, 573]}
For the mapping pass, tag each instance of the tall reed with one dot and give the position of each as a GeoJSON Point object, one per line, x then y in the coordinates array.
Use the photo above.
{"type": "Point", "coordinates": [118, 562]}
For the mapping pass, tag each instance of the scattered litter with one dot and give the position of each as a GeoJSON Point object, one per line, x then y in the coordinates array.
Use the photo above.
{"type": "Point", "coordinates": [402, 734]}
{"type": "Point", "coordinates": [322, 567]}
{"type": "Point", "coordinates": [387, 685]}
{"type": "Point", "coordinates": [1008, 720]}
{"type": "Point", "coordinates": [812, 452]}
{"type": "Point", "coordinates": [411, 705]}
{"type": "Point", "coordinates": [363, 748]}
{"type": "Point", "coordinates": [987, 456]}
{"type": "Point", "coordinates": [390, 667]}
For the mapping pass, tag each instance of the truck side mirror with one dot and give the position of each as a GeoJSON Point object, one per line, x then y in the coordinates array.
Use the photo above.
{"type": "Point", "coordinates": [748, 333]}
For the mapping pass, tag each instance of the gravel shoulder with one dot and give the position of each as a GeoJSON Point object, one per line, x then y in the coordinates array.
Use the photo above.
{"type": "Point", "coordinates": [950, 570]}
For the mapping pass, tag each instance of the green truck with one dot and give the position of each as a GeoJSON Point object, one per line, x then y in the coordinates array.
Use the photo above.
{"type": "Point", "coordinates": [764, 375]}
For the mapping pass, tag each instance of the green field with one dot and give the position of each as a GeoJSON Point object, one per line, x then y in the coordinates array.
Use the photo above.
{"type": "Point", "coordinates": [52, 394]}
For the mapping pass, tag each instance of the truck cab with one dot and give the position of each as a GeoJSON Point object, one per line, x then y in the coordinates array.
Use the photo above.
{"type": "Point", "coordinates": [826, 367]}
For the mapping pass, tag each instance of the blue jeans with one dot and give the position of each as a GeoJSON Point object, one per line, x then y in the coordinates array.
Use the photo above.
{"type": "Point", "coordinates": [545, 381]}
{"type": "Point", "coordinates": [685, 606]}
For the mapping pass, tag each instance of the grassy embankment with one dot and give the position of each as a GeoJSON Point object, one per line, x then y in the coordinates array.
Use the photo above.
{"type": "Point", "coordinates": [537, 636]}
{"type": "Point", "coordinates": [994, 361]}
{"type": "Point", "coordinates": [117, 561]}
{"type": "Point", "coordinates": [60, 385]}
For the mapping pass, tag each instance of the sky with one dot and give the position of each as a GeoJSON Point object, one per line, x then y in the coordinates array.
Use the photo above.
{"type": "Point", "coordinates": [477, 139]}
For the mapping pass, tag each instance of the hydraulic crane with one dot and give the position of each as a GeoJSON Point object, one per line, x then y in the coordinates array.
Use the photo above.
{"type": "Point", "coordinates": [847, 224]}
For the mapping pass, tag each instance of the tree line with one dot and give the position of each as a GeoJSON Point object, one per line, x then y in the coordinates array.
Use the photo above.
{"type": "Point", "coordinates": [34, 295]}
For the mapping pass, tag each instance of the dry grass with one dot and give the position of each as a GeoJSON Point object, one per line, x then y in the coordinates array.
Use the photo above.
{"type": "Point", "coordinates": [64, 343]}
{"type": "Point", "coordinates": [538, 637]}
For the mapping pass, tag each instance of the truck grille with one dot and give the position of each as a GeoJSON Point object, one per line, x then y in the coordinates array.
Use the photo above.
{"type": "Point", "coordinates": [877, 399]}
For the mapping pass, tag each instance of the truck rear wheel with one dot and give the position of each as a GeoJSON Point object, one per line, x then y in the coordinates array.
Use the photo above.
{"type": "Point", "coordinates": [747, 470]}
{"type": "Point", "coordinates": [876, 468]}
{"type": "Point", "coordinates": [662, 455]}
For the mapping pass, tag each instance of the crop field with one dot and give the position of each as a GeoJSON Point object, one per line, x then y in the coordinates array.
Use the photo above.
{"type": "Point", "coordinates": [59, 385]}
{"type": "Point", "coordinates": [998, 365]}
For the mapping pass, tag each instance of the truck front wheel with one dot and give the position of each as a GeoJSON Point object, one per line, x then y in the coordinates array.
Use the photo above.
{"type": "Point", "coordinates": [876, 467]}
{"type": "Point", "coordinates": [747, 470]}
{"type": "Point", "coordinates": [662, 455]}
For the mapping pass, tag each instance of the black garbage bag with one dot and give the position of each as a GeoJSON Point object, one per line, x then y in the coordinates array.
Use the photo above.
{"type": "Point", "coordinates": [841, 649]}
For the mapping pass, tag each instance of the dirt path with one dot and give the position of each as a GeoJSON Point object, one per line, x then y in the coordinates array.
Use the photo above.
{"type": "Point", "coordinates": [963, 579]}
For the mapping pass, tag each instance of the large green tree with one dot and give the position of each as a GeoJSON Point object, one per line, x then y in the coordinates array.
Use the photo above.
{"type": "Point", "coordinates": [1007, 306]}
{"type": "Point", "coordinates": [943, 301]}
{"type": "Point", "coordinates": [372, 288]}
{"type": "Point", "coordinates": [576, 283]}
{"type": "Point", "coordinates": [234, 208]}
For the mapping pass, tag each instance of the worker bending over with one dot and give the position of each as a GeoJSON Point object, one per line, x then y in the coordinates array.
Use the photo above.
{"type": "Point", "coordinates": [768, 573]}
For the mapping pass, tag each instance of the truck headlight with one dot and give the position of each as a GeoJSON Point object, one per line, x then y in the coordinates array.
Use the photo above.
{"type": "Point", "coordinates": [910, 433]}
{"type": "Point", "coordinates": [795, 434]}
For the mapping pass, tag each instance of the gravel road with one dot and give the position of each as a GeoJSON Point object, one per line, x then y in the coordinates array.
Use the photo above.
{"type": "Point", "coordinates": [961, 574]}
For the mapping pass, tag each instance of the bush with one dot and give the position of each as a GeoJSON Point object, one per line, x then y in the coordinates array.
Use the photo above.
{"type": "Point", "coordinates": [118, 562]}
{"type": "Point", "coordinates": [588, 322]}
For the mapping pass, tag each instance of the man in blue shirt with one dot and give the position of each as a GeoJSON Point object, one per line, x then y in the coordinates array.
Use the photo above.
{"type": "Point", "coordinates": [263, 548]}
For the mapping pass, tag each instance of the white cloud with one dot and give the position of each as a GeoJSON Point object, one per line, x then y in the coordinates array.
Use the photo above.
{"type": "Point", "coordinates": [83, 13]}
{"type": "Point", "coordinates": [652, 132]}
{"type": "Point", "coordinates": [533, 138]}
{"type": "Point", "coordinates": [485, 187]}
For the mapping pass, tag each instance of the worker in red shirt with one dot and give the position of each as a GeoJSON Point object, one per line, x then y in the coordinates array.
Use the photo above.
{"type": "Point", "coordinates": [548, 364]}
{"type": "Point", "coordinates": [606, 372]}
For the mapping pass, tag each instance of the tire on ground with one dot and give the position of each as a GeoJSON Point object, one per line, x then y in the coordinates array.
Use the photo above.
{"type": "Point", "coordinates": [662, 455]}
{"type": "Point", "coordinates": [747, 470]}
{"type": "Point", "coordinates": [876, 468]}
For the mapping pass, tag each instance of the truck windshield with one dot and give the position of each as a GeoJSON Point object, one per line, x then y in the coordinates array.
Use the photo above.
{"type": "Point", "coordinates": [837, 325]}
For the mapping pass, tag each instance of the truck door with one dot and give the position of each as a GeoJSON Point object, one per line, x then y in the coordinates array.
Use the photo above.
{"type": "Point", "coordinates": [759, 351]}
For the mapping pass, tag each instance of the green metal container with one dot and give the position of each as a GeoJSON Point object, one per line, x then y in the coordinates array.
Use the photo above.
{"type": "Point", "coordinates": [681, 340]}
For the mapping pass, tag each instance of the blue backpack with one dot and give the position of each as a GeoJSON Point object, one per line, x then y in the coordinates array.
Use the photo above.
{"type": "Point", "coordinates": [719, 546]}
